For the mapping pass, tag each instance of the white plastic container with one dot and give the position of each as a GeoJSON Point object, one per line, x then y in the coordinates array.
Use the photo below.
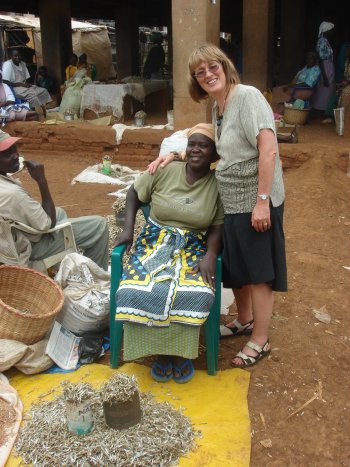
{"type": "Point", "coordinates": [79, 418]}
{"type": "Point", "coordinates": [339, 120]}
{"type": "Point", "coordinates": [170, 117]}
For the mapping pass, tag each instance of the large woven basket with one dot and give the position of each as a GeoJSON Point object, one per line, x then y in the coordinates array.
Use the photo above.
{"type": "Point", "coordinates": [29, 302]}
{"type": "Point", "coordinates": [295, 116]}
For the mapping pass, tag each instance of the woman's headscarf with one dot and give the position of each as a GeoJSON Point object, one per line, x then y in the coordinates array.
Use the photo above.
{"type": "Point", "coordinates": [206, 129]}
{"type": "Point", "coordinates": [324, 27]}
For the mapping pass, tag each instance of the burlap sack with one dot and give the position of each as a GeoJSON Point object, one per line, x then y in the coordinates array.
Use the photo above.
{"type": "Point", "coordinates": [9, 395]}
{"type": "Point", "coordinates": [29, 359]}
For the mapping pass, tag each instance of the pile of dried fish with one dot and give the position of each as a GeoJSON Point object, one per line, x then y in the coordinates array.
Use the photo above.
{"type": "Point", "coordinates": [114, 230]}
{"type": "Point", "coordinates": [160, 439]}
{"type": "Point", "coordinates": [125, 176]}
{"type": "Point", "coordinates": [120, 387]}
{"type": "Point", "coordinates": [77, 393]}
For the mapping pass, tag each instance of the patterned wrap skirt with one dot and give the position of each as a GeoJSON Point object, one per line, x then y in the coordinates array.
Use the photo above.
{"type": "Point", "coordinates": [158, 286]}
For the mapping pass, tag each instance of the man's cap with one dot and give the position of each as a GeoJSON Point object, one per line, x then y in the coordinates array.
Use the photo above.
{"type": "Point", "coordinates": [6, 141]}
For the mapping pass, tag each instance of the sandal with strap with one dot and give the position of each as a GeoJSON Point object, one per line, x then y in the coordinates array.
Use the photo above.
{"type": "Point", "coordinates": [248, 360]}
{"type": "Point", "coordinates": [180, 370]}
{"type": "Point", "coordinates": [161, 372]}
{"type": "Point", "coordinates": [239, 329]}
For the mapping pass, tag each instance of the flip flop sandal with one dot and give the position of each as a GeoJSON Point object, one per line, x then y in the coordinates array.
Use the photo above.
{"type": "Point", "coordinates": [238, 330]}
{"type": "Point", "coordinates": [160, 373]}
{"type": "Point", "coordinates": [184, 378]}
{"type": "Point", "coordinates": [248, 360]}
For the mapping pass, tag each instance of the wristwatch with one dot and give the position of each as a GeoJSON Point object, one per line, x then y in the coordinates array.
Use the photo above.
{"type": "Point", "coordinates": [263, 196]}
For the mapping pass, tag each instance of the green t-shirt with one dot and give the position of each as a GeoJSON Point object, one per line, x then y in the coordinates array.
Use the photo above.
{"type": "Point", "coordinates": [176, 203]}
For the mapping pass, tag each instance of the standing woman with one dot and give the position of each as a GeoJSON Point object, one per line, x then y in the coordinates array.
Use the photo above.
{"type": "Point", "coordinates": [249, 176]}
{"type": "Point", "coordinates": [325, 88]}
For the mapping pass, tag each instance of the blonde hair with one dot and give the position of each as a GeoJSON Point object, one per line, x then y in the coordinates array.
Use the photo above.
{"type": "Point", "coordinates": [209, 53]}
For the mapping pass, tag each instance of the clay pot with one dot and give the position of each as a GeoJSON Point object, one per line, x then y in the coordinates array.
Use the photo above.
{"type": "Point", "coordinates": [121, 415]}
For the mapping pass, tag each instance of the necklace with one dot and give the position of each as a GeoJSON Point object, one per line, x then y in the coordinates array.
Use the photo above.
{"type": "Point", "coordinates": [220, 117]}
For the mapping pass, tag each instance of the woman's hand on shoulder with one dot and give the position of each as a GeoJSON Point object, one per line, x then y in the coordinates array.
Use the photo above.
{"type": "Point", "coordinates": [161, 161]}
{"type": "Point", "coordinates": [124, 237]}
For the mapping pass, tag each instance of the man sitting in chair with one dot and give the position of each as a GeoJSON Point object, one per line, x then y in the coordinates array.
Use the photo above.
{"type": "Point", "coordinates": [90, 232]}
{"type": "Point", "coordinates": [15, 73]}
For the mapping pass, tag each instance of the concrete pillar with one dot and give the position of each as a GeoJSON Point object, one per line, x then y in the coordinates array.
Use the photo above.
{"type": "Point", "coordinates": [194, 23]}
{"type": "Point", "coordinates": [293, 32]}
{"type": "Point", "coordinates": [127, 40]}
{"type": "Point", "coordinates": [56, 36]}
{"type": "Point", "coordinates": [170, 66]}
{"type": "Point", "coordinates": [257, 42]}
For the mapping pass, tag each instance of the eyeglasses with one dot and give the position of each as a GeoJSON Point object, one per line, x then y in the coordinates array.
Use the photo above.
{"type": "Point", "coordinates": [212, 68]}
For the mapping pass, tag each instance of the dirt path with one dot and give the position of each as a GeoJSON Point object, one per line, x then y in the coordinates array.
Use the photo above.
{"type": "Point", "coordinates": [306, 354]}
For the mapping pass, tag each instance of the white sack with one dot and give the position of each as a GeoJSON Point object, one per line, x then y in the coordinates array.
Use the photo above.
{"type": "Point", "coordinates": [176, 142]}
{"type": "Point", "coordinates": [86, 289]}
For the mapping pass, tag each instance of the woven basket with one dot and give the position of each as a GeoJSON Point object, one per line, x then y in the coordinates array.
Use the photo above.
{"type": "Point", "coordinates": [295, 116]}
{"type": "Point", "coordinates": [29, 302]}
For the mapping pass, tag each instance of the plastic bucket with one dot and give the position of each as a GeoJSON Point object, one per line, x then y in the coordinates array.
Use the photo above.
{"type": "Point", "coordinates": [79, 418]}
{"type": "Point", "coordinates": [106, 164]}
{"type": "Point", "coordinates": [170, 117]}
{"type": "Point", "coordinates": [339, 120]}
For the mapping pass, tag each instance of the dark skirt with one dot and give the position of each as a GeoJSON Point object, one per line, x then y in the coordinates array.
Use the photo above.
{"type": "Point", "coordinates": [252, 257]}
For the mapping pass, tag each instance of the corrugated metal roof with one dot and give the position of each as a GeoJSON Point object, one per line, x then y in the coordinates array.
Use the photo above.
{"type": "Point", "coordinates": [33, 22]}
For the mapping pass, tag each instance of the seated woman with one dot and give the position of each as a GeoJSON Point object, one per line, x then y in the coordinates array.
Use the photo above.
{"type": "Point", "coordinates": [72, 67]}
{"type": "Point", "coordinates": [43, 80]}
{"type": "Point", "coordinates": [344, 85]}
{"type": "Point", "coordinates": [167, 287]}
{"type": "Point", "coordinates": [301, 87]}
{"type": "Point", "coordinates": [15, 73]}
{"type": "Point", "coordinates": [9, 110]}
{"type": "Point", "coordinates": [85, 69]}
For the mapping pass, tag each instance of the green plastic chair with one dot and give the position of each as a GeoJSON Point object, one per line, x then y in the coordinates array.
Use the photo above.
{"type": "Point", "coordinates": [211, 326]}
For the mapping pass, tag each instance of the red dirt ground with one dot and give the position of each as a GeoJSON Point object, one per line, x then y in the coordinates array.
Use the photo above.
{"type": "Point", "coordinates": [306, 353]}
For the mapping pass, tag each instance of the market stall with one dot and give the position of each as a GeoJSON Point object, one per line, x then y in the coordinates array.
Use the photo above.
{"type": "Point", "coordinates": [111, 99]}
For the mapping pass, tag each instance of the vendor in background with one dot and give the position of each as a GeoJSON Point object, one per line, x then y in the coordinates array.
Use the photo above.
{"type": "Point", "coordinates": [325, 88]}
{"type": "Point", "coordinates": [9, 110]}
{"type": "Point", "coordinates": [15, 73]}
{"type": "Point", "coordinates": [85, 69]}
{"type": "Point", "coordinates": [344, 85]}
{"type": "Point", "coordinates": [43, 80]}
{"type": "Point", "coordinates": [302, 86]}
{"type": "Point", "coordinates": [72, 67]}
{"type": "Point", "coordinates": [155, 60]}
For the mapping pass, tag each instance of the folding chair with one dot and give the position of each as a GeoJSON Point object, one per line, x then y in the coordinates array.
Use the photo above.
{"type": "Point", "coordinates": [8, 252]}
{"type": "Point", "coordinates": [211, 326]}
{"type": "Point", "coordinates": [18, 100]}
